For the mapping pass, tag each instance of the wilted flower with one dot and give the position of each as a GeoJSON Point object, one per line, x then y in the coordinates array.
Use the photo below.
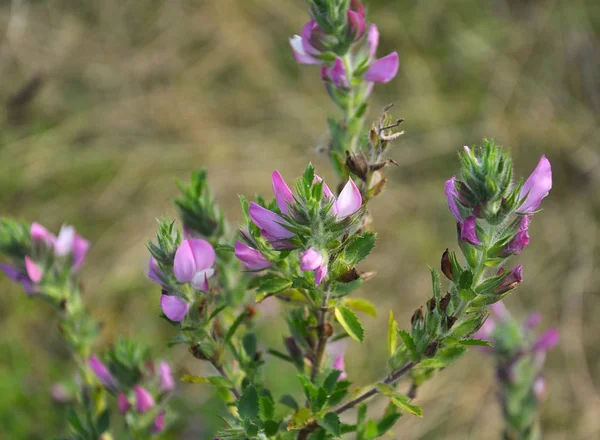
{"type": "Point", "coordinates": [521, 239]}
{"type": "Point", "coordinates": [512, 280]}
{"type": "Point", "coordinates": [536, 187]}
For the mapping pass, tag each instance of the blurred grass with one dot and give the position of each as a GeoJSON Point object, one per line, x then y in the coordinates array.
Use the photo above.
{"type": "Point", "coordinates": [131, 94]}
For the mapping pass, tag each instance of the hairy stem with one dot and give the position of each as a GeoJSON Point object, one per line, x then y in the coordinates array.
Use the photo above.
{"type": "Point", "coordinates": [322, 342]}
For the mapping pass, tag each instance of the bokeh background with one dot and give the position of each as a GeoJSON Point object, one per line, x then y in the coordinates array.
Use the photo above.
{"type": "Point", "coordinates": [104, 103]}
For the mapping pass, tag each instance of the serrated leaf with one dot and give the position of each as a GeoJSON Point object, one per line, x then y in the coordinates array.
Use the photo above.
{"type": "Point", "coordinates": [331, 424]}
{"type": "Point", "coordinates": [361, 305]}
{"type": "Point", "coordinates": [267, 408]}
{"type": "Point", "coordinates": [300, 419]}
{"type": "Point", "coordinates": [350, 322]}
{"type": "Point", "coordinates": [410, 344]}
{"type": "Point", "coordinates": [331, 380]}
{"type": "Point", "coordinates": [339, 290]}
{"type": "Point", "coordinates": [392, 335]}
{"type": "Point", "coordinates": [289, 401]}
{"type": "Point", "coordinates": [475, 342]}
{"type": "Point", "coordinates": [274, 285]}
{"type": "Point", "coordinates": [360, 247]}
{"type": "Point", "coordinates": [271, 427]}
{"type": "Point", "coordinates": [248, 405]}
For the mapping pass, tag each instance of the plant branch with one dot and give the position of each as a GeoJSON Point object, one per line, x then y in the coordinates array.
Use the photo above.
{"type": "Point", "coordinates": [224, 374]}
{"type": "Point", "coordinates": [322, 343]}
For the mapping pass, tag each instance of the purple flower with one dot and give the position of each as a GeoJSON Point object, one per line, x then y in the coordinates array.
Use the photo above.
{"type": "Point", "coordinates": [372, 42]}
{"type": "Point", "coordinates": [349, 201]}
{"type": "Point", "coordinates": [468, 231]}
{"type": "Point", "coordinates": [14, 274]}
{"type": "Point", "coordinates": [283, 194]}
{"type": "Point", "coordinates": [511, 280]}
{"type": "Point", "coordinates": [356, 23]}
{"type": "Point", "coordinates": [336, 74]}
{"type": "Point", "coordinates": [251, 258]}
{"type": "Point", "coordinates": [303, 46]}
{"type": "Point", "coordinates": [193, 263]}
{"type": "Point", "coordinates": [159, 423]}
{"type": "Point", "coordinates": [536, 187]}
{"type": "Point", "coordinates": [270, 224]}
{"type": "Point", "coordinates": [165, 377]}
{"type": "Point", "coordinates": [102, 373]}
{"type": "Point", "coordinates": [174, 307]}
{"type": "Point", "coordinates": [521, 238]}
{"type": "Point", "coordinates": [338, 364]}
{"type": "Point", "coordinates": [452, 195]}
{"type": "Point", "coordinates": [143, 399]}
{"type": "Point", "coordinates": [34, 272]}
{"type": "Point", "coordinates": [123, 403]}
{"type": "Point", "coordinates": [154, 271]}
{"type": "Point", "coordinates": [533, 320]}
{"type": "Point", "coordinates": [384, 69]}
{"type": "Point", "coordinates": [547, 340]}
{"type": "Point", "coordinates": [311, 259]}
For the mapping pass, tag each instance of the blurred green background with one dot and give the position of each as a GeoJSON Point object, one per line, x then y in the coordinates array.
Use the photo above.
{"type": "Point", "coordinates": [104, 103]}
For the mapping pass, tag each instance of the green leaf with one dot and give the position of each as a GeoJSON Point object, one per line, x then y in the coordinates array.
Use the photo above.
{"type": "Point", "coordinates": [289, 401]}
{"type": "Point", "coordinates": [436, 284]}
{"type": "Point", "coordinates": [360, 247]}
{"type": "Point", "coordinates": [271, 427]}
{"type": "Point", "coordinates": [403, 402]}
{"type": "Point", "coordinates": [339, 290]}
{"type": "Point", "coordinates": [267, 408]}
{"type": "Point", "coordinates": [476, 342]}
{"type": "Point", "coordinates": [217, 381]}
{"type": "Point", "coordinates": [234, 327]}
{"type": "Point", "coordinates": [392, 334]}
{"type": "Point", "coordinates": [300, 419]}
{"type": "Point", "coordinates": [387, 422]}
{"type": "Point", "coordinates": [410, 344]}
{"type": "Point", "coordinates": [103, 421]}
{"type": "Point", "coordinates": [361, 305]}
{"type": "Point", "coordinates": [217, 311]}
{"type": "Point", "coordinates": [331, 424]}
{"type": "Point", "coordinates": [349, 321]}
{"type": "Point", "coordinates": [331, 380]}
{"type": "Point", "coordinates": [249, 344]}
{"type": "Point", "coordinates": [466, 280]}
{"type": "Point", "coordinates": [273, 285]}
{"type": "Point", "coordinates": [309, 175]}
{"type": "Point", "coordinates": [248, 405]}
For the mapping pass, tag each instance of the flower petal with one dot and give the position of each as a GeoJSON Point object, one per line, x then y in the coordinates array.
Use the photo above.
{"type": "Point", "coordinates": [34, 272]}
{"type": "Point", "coordinates": [80, 249]}
{"type": "Point", "coordinates": [521, 238]}
{"type": "Point", "coordinates": [307, 36]}
{"type": "Point", "coordinates": [337, 74]}
{"type": "Point", "coordinates": [301, 56]}
{"type": "Point", "coordinates": [159, 423]}
{"type": "Point", "coordinates": [468, 231]}
{"type": "Point", "coordinates": [64, 242]}
{"type": "Point", "coordinates": [311, 259]}
{"type": "Point", "coordinates": [200, 280]}
{"type": "Point", "coordinates": [320, 274]}
{"type": "Point", "coordinates": [349, 201]}
{"type": "Point", "coordinates": [537, 186]}
{"type": "Point", "coordinates": [283, 194]}
{"type": "Point", "coordinates": [372, 42]}
{"type": "Point", "coordinates": [269, 221]}
{"type": "Point", "coordinates": [174, 308]}
{"type": "Point", "coordinates": [204, 253]}
{"type": "Point", "coordinates": [452, 195]}
{"type": "Point", "coordinates": [384, 69]}
{"type": "Point", "coordinates": [326, 191]}
{"type": "Point", "coordinates": [143, 399]}
{"type": "Point", "coordinates": [338, 364]}
{"type": "Point", "coordinates": [533, 320]}
{"type": "Point", "coordinates": [102, 373]}
{"type": "Point", "coordinates": [547, 340]}
{"type": "Point", "coordinates": [251, 258]}
{"type": "Point", "coordinates": [166, 382]}
{"type": "Point", "coordinates": [356, 24]}
{"type": "Point", "coordinates": [153, 271]}
{"type": "Point", "coordinates": [123, 403]}
{"type": "Point", "coordinates": [41, 234]}
{"type": "Point", "coordinates": [184, 265]}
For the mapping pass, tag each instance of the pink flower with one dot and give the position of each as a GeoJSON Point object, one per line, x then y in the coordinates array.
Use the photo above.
{"type": "Point", "coordinates": [165, 377]}
{"type": "Point", "coordinates": [338, 364]}
{"type": "Point", "coordinates": [384, 69]}
{"type": "Point", "coordinates": [336, 74]}
{"type": "Point", "coordinates": [154, 271]}
{"type": "Point", "coordinates": [143, 399]}
{"type": "Point", "coordinates": [320, 274]}
{"type": "Point", "coordinates": [536, 187]}
{"type": "Point", "coordinates": [193, 263]}
{"type": "Point", "coordinates": [272, 226]}
{"type": "Point", "coordinates": [486, 331]}
{"type": "Point", "coordinates": [468, 231]}
{"type": "Point", "coordinates": [356, 23]}
{"type": "Point", "coordinates": [159, 423]}
{"type": "Point", "coordinates": [540, 388]}
{"type": "Point", "coordinates": [67, 242]}
{"type": "Point", "coordinates": [547, 340]}
{"type": "Point", "coordinates": [303, 46]}
{"type": "Point", "coordinates": [34, 272]}
{"type": "Point", "coordinates": [521, 238]}
{"type": "Point", "coordinates": [174, 307]}
{"type": "Point", "coordinates": [102, 373]}
{"type": "Point", "coordinates": [123, 403]}
{"type": "Point", "coordinates": [349, 201]}
{"type": "Point", "coordinates": [251, 258]}
{"type": "Point", "coordinates": [312, 260]}
{"type": "Point", "coordinates": [533, 320]}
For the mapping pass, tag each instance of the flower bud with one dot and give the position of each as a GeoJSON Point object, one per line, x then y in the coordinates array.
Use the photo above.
{"type": "Point", "coordinates": [102, 373]}
{"type": "Point", "coordinates": [511, 281]}
{"type": "Point", "coordinates": [417, 316]}
{"type": "Point", "coordinates": [123, 403]}
{"type": "Point", "coordinates": [166, 382]}
{"type": "Point", "coordinates": [445, 301]}
{"type": "Point", "coordinates": [431, 349]}
{"type": "Point", "coordinates": [338, 364]}
{"type": "Point", "coordinates": [357, 164]}
{"type": "Point", "coordinates": [469, 231]}
{"type": "Point", "coordinates": [547, 340]}
{"type": "Point", "coordinates": [159, 423]}
{"type": "Point", "coordinates": [251, 258]}
{"type": "Point", "coordinates": [143, 399]}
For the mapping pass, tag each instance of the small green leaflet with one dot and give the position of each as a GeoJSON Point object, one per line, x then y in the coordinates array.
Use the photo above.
{"type": "Point", "coordinates": [217, 381]}
{"type": "Point", "coordinates": [361, 305]}
{"type": "Point", "coordinates": [350, 322]}
{"type": "Point", "coordinates": [392, 335]}
{"type": "Point", "coordinates": [331, 424]}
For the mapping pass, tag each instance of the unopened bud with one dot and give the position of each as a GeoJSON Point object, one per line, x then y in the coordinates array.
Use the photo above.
{"type": "Point", "coordinates": [431, 304]}
{"type": "Point", "coordinates": [450, 320]}
{"type": "Point", "coordinates": [350, 276]}
{"type": "Point", "coordinates": [511, 281]}
{"type": "Point", "coordinates": [328, 330]}
{"type": "Point", "coordinates": [447, 265]}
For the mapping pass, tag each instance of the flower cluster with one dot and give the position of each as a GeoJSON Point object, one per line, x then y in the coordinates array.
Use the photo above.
{"type": "Point", "coordinates": [142, 387]}
{"type": "Point", "coordinates": [519, 356]}
{"type": "Point", "coordinates": [314, 208]}
{"type": "Point", "coordinates": [48, 256]}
